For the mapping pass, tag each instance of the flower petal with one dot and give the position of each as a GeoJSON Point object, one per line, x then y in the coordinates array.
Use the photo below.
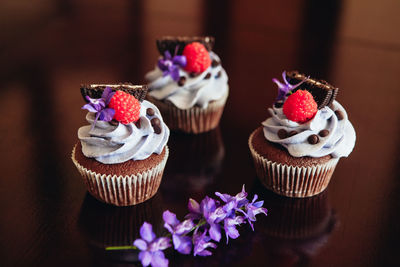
{"type": "Point", "coordinates": [170, 218]}
{"type": "Point", "coordinates": [146, 232]}
{"type": "Point", "coordinates": [140, 244]}
{"type": "Point", "coordinates": [180, 61]}
{"type": "Point", "coordinates": [145, 257]}
{"type": "Point", "coordinates": [215, 232]}
{"type": "Point", "coordinates": [107, 114]}
{"type": "Point", "coordinates": [89, 107]}
{"type": "Point", "coordinates": [159, 260]}
{"type": "Point", "coordinates": [184, 227]}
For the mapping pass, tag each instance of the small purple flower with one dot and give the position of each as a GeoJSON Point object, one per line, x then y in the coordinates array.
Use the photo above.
{"type": "Point", "coordinates": [201, 243]}
{"type": "Point", "coordinates": [151, 247]}
{"type": "Point", "coordinates": [182, 243]}
{"type": "Point", "coordinates": [284, 88]}
{"type": "Point", "coordinates": [98, 106]}
{"type": "Point", "coordinates": [230, 227]}
{"type": "Point", "coordinates": [254, 208]}
{"type": "Point", "coordinates": [211, 214]}
{"type": "Point", "coordinates": [170, 65]}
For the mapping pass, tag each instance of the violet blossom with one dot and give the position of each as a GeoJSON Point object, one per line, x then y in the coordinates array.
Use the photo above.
{"type": "Point", "coordinates": [286, 87]}
{"type": "Point", "coordinates": [170, 65]}
{"type": "Point", "coordinates": [99, 106]}
{"type": "Point", "coordinates": [211, 214]}
{"type": "Point", "coordinates": [182, 243]}
{"type": "Point", "coordinates": [254, 208]}
{"type": "Point", "coordinates": [201, 243]}
{"type": "Point", "coordinates": [151, 247]}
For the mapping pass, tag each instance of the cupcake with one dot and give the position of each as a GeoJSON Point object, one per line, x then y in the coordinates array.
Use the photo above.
{"type": "Point", "coordinates": [122, 152]}
{"type": "Point", "coordinates": [296, 149]}
{"type": "Point", "coordinates": [188, 84]}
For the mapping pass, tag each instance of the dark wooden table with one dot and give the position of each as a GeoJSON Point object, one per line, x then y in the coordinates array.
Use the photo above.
{"type": "Point", "coordinates": [47, 48]}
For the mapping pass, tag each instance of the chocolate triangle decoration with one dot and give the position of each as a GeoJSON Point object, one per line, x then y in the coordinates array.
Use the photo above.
{"type": "Point", "coordinates": [96, 90]}
{"type": "Point", "coordinates": [169, 43]}
{"type": "Point", "coordinates": [321, 90]}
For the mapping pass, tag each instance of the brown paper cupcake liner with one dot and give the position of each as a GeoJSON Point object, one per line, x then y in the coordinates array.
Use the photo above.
{"type": "Point", "coordinates": [292, 181]}
{"type": "Point", "coordinates": [123, 190]}
{"type": "Point", "coordinates": [194, 120]}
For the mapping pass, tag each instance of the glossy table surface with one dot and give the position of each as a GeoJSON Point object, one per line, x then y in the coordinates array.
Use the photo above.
{"type": "Point", "coordinates": [49, 47]}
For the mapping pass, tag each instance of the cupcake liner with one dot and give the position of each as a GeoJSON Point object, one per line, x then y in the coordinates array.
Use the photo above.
{"type": "Point", "coordinates": [292, 181]}
{"type": "Point", "coordinates": [123, 190]}
{"type": "Point", "coordinates": [192, 120]}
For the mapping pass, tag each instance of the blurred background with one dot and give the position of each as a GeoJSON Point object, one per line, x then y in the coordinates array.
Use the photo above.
{"type": "Point", "coordinates": [49, 47]}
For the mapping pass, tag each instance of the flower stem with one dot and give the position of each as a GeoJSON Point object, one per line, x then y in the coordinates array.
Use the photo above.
{"type": "Point", "coordinates": [121, 248]}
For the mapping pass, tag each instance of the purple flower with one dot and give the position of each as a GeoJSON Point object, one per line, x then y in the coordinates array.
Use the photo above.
{"type": "Point", "coordinates": [170, 65]}
{"type": "Point", "coordinates": [211, 214]}
{"type": "Point", "coordinates": [230, 227]}
{"type": "Point", "coordinates": [284, 88]}
{"type": "Point", "coordinates": [98, 106]}
{"type": "Point", "coordinates": [254, 208]}
{"type": "Point", "coordinates": [151, 247]}
{"type": "Point", "coordinates": [182, 243]}
{"type": "Point", "coordinates": [201, 243]}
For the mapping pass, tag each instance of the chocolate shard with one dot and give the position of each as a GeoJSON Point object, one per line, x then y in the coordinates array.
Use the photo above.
{"type": "Point", "coordinates": [169, 43]}
{"type": "Point", "coordinates": [322, 91]}
{"type": "Point", "coordinates": [96, 90]}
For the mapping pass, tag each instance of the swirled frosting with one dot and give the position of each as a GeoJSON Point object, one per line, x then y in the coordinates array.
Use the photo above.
{"type": "Point", "coordinates": [197, 91]}
{"type": "Point", "coordinates": [339, 142]}
{"type": "Point", "coordinates": [110, 144]}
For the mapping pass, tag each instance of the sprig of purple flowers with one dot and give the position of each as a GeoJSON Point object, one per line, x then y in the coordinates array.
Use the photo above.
{"type": "Point", "coordinates": [202, 227]}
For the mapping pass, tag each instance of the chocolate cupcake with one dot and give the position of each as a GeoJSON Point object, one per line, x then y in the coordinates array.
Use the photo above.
{"type": "Point", "coordinates": [122, 153]}
{"type": "Point", "coordinates": [296, 150]}
{"type": "Point", "coordinates": [188, 84]}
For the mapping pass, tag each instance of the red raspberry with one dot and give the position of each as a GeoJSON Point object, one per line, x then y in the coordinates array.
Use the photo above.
{"type": "Point", "coordinates": [300, 106]}
{"type": "Point", "coordinates": [126, 106]}
{"type": "Point", "coordinates": [197, 57]}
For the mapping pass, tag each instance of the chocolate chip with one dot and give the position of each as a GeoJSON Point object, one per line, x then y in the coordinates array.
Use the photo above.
{"type": "Point", "coordinates": [218, 74]}
{"type": "Point", "coordinates": [207, 76]}
{"type": "Point", "coordinates": [313, 139]}
{"type": "Point", "coordinates": [182, 80]}
{"type": "Point", "coordinates": [339, 115]}
{"type": "Point", "coordinates": [157, 129]}
{"type": "Point", "coordinates": [278, 104]}
{"type": "Point", "coordinates": [214, 63]}
{"type": "Point", "coordinates": [114, 122]}
{"type": "Point", "coordinates": [138, 124]}
{"type": "Point", "coordinates": [323, 133]}
{"type": "Point", "coordinates": [282, 134]}
{"type": "Point", "coordinates": [192, 74]}
{"type": "Point", "coordinates": [291, 133]}
{"type": "Point", "coordinates": [150, 112]}
{"type": "Point", "coordinates": [155, 121]}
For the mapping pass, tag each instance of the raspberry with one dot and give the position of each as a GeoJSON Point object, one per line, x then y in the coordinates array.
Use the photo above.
{"type": "Point", "coordinates": [126, 106]}
{"type": "Point", "coordinates": [300, 106]}
{"type": "Point", "coordinates": [197, 57]}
